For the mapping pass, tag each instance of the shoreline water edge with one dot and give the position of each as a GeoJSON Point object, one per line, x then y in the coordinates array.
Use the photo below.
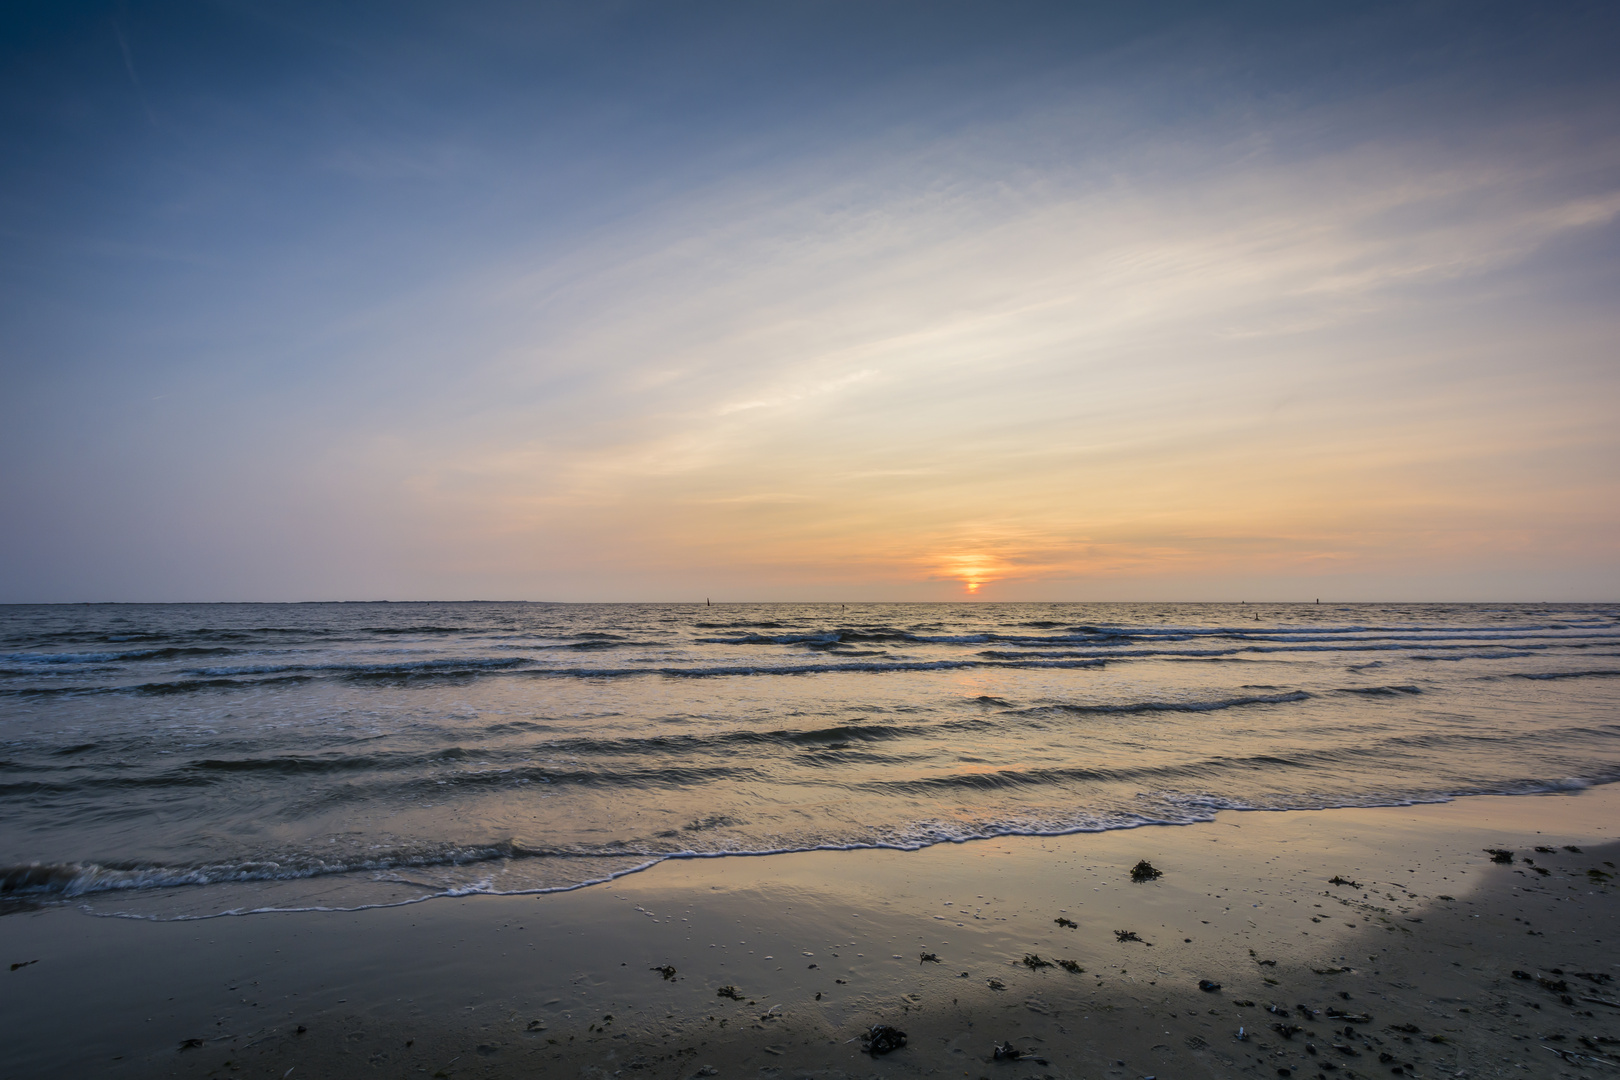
{"type": "Point", "coordinates": [1473, 938]}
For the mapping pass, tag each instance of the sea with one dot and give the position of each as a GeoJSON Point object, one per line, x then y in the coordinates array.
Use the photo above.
{"type": "Point", "coordinates": [176, 761]}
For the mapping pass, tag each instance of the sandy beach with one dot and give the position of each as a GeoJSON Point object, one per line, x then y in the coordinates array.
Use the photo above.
{"type": "Point", "coordinates": [1414, 964]}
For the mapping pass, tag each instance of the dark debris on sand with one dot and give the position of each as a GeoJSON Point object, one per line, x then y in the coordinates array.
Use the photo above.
{"type": "Point", "coordinates": [1006, 1051]}
{"type": "Point", "coordinates": [882, 1039]}
{"type": "Point", "coordinates": [1354, 1018]}
{"type": "Point", "coordinates": [1145, 871]}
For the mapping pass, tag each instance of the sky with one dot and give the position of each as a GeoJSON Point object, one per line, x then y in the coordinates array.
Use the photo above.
{"type": "Point", "coordinates": [809, 300]}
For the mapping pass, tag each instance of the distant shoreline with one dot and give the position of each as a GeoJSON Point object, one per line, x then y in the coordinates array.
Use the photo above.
{"type": "Point", "coordinates": [965, 602]}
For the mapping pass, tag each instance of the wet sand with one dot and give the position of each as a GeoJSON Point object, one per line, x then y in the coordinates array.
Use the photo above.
{"type": "Point", "coordinates": [1405, 969]}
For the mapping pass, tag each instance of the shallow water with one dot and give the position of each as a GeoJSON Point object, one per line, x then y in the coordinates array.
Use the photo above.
{"type": "Point", "coordinates": [176, 760]}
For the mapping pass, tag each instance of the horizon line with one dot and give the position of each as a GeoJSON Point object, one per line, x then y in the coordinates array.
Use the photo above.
{"type": "Point", "coordinates": [1314, 602]}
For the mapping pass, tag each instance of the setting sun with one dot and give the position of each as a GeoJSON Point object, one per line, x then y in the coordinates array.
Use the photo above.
{"type": "Point", "coordinates": [973, 570]}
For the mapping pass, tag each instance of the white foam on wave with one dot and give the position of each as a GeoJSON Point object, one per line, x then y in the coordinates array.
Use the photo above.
{"type": "Point", "coordinates": [1185, 809]}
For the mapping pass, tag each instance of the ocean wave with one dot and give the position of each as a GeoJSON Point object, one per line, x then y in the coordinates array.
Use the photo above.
{"type": "Point", "coordinates": [827, 637]}
{"type": "Point", "coordinates": [39, 639]}
{"type": "Point", "coordinates": [153, 689]}
{"type": "Point", "coordinates": [725, 742]}
{"type": "Point", "coordinates": [71, 879]}
{"type": "Point", "coordinates": [1214, 803]}
{"type": "Point", "coordinates": [249, 677]}
{"type": "Point", "coordinates": [37, 673]}
{"type": "Point", "coordinates": [1600, 673]}
{"type": "Point", "coordinates": [445, 665]}
{"type": "Point", "coordinates": [1170, 706]}
{"type": "Point", "coordinates": [628, 745]}
{"type": "Point", "coordinates": [1509, 636]}
{"type": "Point", "coordinates": [725, 670]}
{"type": "Point", "coordinates": [294, 764]}
{"type": "Point", "coordinates": [384, 785]}
{"type": "Point", "coordinates": [31, 789]}
{"type": "Point", "coordinates": [1070, 774]}
{"type": "Point", "coordinates": [1504, 655]}
{"type": "Point", "coordinates": [1413, 628]}
{"type": "Point", "coordinates": [428, 630]}
{"type": "Point", "coordinates": [1242, 649]}
{"type": "Point", "coordinates": [173, 652]}
{"type": "Point", "coordinates": [873, 667]}
{"type": "Point", "coordinates": [1094, 634]}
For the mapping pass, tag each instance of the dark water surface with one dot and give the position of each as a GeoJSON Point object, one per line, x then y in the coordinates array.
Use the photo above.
{"type": "Point", "coordinates": [169, 760]}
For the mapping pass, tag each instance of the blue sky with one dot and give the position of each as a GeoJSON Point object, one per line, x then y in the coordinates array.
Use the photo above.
{"type": "Point", "coordinates": [809, 301]}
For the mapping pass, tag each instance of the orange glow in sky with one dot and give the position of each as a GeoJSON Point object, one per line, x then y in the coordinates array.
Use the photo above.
{"type": "Point", "coordinates": [972, 570]}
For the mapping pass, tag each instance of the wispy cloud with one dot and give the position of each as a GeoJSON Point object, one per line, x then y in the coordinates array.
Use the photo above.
{"type": "Point", "coordinates": [1069, 333]}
